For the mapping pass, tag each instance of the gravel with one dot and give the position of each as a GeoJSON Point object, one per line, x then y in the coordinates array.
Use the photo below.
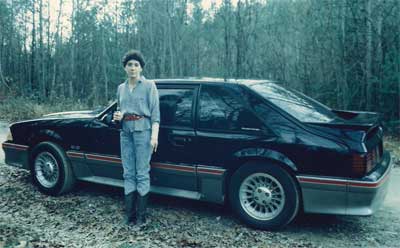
{"type": "Point", "coordinates": [91, 216]}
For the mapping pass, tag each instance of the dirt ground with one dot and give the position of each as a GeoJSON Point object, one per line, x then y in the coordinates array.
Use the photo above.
{"type": "Point", "coordinates": [91, 216]}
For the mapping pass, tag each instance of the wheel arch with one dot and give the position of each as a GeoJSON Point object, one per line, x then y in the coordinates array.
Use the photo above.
{"type": "Point", "coordinates": [255, 160]}
{"type": "Point", "coordinates": [261, 155]}
{"type": "Point", "coordinates": [266, 154]}
{"type": "Point", "coordinates": [43, 135]}
{"type": "Point", "coordinates": [257, 164]}
{"type": "Point", "coordinates": [66, 170]}
{"type": "Point", "coordinates": [253, 156]}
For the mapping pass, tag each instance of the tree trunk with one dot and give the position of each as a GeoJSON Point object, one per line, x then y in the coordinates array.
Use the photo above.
{"type": "Point", "coordinates": [48, 53]}
{"type": "Point", "coordinates": [12, 47]}
{"type": "Point", "coordinates": [343, 100]}
{"type": "Point", "coordinates": [33, 51]}
{"type": "Point", "coordinates": [239, 39]}
{"type": "Point", "coordinates": [26, 59]}
{"type": "Point", "coordinates": [227, 53]}
{"type": "Point", "coordinates": [73, 47]}
{"type": "Point", "coordinates": [379, 57]}
{"type": "Point", "coordinates": [164, 56]}
{"type": "Point", "coordinates": [171, 50]}
{"type": "Point", "coordinates": [58, 38]}
{"type": "Point", "coordinates": [105, 60]}
{"type": "Point", "coordinates": [3, 81]}
{"type": "Point", "coordinates": [42, 87]}
{"type": "Point", "coordinates": [368, 56]}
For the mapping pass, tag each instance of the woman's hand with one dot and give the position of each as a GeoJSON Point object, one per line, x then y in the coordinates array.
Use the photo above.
{"type": "Point", "coordinates": [154, 136]}
{"type": "Point", "coordinates": [154, 144]}
{"type": "Point", "coordinates": [117, 116]}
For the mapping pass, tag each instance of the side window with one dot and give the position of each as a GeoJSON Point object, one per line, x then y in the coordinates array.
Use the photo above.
{"type": "Point", "coordinates": [273, 120]}
{"type": "Point", "coordinates": [176, 107]}
{"type": "Point", "coordinates": [223, 107]}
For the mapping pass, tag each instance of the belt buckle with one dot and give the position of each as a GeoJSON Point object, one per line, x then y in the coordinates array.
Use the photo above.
{"type": "Point", "coordinates": [133, 117]}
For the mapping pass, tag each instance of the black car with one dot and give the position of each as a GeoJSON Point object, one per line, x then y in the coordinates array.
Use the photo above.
{"type": "Point", "coordinates": [266, 150]}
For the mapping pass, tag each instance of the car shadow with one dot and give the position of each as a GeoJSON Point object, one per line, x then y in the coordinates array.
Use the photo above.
{"type": "Point", "coordinates": [303, 223]}
{"type": "Point", "coordinates": [94, 189]}
{"type": "Point", "coordinates": [155, 200]}
{"type": "Point", "coordinates": [324, 223]}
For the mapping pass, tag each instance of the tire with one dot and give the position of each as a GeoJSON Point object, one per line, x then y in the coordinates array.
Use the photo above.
{"type": "Point", "coordinates": [264, 196]}
{"type": "Point", "coordinates": [51, 169]}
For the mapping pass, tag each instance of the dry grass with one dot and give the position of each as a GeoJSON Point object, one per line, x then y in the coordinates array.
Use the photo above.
{"type": "Point", "coordinates": [392, 144]}
{"type": "Point", "coordinates": [21, 108]}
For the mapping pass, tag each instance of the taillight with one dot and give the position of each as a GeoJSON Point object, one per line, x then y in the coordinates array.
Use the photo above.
{"type": "Point", "coordinates": [370, 161]}
{"type": "Point", "coordinates": [364, 163]}
{"type": "Point", "coordinates": [359, 164]}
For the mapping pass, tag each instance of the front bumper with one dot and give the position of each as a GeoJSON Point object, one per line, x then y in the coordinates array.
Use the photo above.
{"type": "Point", "coordinates": [330, 195]}
{"type": "Point", "coordinates": [16, 155]}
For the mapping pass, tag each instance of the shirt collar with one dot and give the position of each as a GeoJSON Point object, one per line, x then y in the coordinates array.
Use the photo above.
{"type": "Point", "coordinates": [139, 81]}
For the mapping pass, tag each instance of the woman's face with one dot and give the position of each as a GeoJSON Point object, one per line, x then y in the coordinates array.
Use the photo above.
{"type": "Point", "coordinates": [133, 68]}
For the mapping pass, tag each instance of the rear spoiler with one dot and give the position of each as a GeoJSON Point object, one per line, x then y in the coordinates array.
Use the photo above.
{"type": "Point", "coordinates": [359, 120]}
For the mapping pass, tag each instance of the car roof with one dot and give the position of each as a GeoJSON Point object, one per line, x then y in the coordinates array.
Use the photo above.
{"type": "Point", "coordinates": [203, 80]}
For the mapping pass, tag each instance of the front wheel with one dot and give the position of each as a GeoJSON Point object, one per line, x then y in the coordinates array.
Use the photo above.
{"type": "Point", "coordinates": [264, 196]}
{"type": "Point", "coordinates": [51, 169]}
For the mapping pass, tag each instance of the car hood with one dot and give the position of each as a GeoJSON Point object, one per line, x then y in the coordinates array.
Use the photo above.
{"type": "Point", "coordinates": [71, 114]}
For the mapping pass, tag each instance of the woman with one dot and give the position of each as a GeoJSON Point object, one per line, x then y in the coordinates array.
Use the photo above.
{"type": "Point", "coordinates": [139, 112]}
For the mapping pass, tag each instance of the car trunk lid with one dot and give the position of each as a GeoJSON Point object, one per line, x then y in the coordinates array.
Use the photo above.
{"type": "Point", "coordinates": [363, 134]}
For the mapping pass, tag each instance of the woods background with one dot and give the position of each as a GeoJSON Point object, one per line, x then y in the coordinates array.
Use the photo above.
{"type": "Point", "coordinates": [345, 53]}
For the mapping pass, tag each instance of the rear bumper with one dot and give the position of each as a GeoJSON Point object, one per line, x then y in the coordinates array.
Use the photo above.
{"type": "Point", "coordinates": [365, 197]}
{"type": "Point", "coordinates": [16, 155]}
{"type": "Point", "coordinates": [329, 195]}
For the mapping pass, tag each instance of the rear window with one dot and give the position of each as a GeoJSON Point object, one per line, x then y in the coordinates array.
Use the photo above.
{"type": "Point", "coordinates": [294, 103]}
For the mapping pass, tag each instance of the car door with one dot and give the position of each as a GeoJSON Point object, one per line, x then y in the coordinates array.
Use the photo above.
{"type": "Point", "coordinates": [173, 165]}
{"type": "Point", "coordinates": [103, 156]}
{"type": "Point", "coordinates": [225, 124]}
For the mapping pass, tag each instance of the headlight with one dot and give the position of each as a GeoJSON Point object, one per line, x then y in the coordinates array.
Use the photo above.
{"type": "Point", "coordinates": [9, 136]}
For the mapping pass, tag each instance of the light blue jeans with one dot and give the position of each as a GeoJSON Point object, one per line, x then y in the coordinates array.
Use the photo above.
{"type": "Point", "coordinates": [136, 154]}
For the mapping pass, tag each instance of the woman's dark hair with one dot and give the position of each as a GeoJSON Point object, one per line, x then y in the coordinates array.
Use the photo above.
{"type": "Point", "coordinates": [133, 54]}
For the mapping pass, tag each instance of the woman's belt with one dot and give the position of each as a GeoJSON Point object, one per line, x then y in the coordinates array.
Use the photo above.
{"type": "Point", "coordinates": [132, 117]}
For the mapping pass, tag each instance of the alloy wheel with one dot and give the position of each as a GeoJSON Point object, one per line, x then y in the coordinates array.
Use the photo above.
{"type": "Point", "coordinates": [46, 169]}
{"type": "Point", "coordinates": [262, 196]}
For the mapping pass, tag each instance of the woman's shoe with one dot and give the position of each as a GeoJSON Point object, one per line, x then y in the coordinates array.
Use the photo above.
{"type": "Point", "coordinates": [130, 208]}
{"type": "Point", "coordinates": [141, 211]}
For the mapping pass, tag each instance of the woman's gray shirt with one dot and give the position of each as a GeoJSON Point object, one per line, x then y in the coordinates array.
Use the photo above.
{"type": "Point", "coordinates": [143, 100]}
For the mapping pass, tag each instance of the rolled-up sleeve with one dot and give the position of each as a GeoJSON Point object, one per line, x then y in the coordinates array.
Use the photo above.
{"type": "Point", "coordinates": [154, 104]}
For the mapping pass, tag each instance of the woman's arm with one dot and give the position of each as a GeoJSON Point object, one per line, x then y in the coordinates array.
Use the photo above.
{"type": "Point", "coordinates": [155, 116]}
{"type": "Point", "coordinates": [117, 114]}
{"type": "Point", "coordinates": [154, 104]}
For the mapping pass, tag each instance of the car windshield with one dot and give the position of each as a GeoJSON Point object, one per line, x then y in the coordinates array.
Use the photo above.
{"type": "Point", "coordinates": [294, 103]}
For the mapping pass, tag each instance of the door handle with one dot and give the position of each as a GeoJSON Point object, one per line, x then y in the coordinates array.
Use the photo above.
{"type": "Point", "coordinates": [180, 140]}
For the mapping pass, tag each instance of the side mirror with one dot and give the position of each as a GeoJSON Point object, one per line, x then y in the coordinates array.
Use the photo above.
{"type": "Point", "coordinates": [108, 118]}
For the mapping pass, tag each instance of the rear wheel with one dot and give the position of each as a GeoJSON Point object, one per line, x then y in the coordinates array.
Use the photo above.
{"type": "Point", "coordinates": [264, 196]}
{"type": "Point", "coordinates": [51, 169]}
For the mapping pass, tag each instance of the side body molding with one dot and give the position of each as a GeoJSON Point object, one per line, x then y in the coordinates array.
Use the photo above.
{"type": "Point", "coordinates": [267, 154]}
